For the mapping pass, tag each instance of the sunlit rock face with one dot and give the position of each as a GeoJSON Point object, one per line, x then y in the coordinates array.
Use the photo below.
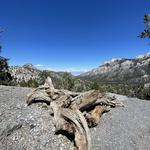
{"type": "Point", "coordinates": [25, 72]}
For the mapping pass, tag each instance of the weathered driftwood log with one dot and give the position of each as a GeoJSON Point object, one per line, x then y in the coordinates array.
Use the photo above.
{"type": "Point", "coordinates": [74, 112]}
{"type": "Point", "coordinates": [73, 121]}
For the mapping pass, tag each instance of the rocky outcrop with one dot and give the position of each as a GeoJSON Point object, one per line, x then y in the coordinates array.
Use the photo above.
{"type": "Point", "coordinates": [24, 73]}
{"type": "Point", "coordinates": [26, 128]}
{"type": "Point", "coordinates": [31, 127]}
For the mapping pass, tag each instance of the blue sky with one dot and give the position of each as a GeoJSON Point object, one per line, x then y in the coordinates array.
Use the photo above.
{"type": "Point", "coordinates": [73, 35]}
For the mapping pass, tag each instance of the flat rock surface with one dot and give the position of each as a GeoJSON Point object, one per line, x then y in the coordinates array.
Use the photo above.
{"type": "Point", "coordinates": [25, 127]}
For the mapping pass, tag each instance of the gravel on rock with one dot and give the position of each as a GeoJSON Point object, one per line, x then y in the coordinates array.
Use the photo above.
{"type": "Point", "coordinates": [31, 127]}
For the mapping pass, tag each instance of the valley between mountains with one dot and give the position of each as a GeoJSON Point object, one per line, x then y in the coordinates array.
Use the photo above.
{"type": "Point", "coordinates": [124, 76]}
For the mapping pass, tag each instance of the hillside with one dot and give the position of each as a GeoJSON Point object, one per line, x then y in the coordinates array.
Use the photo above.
{"type": "Point", "coordinates": [124, 76]}
{"type": "Point", "coordinates": [123, 69]}
{"type": "Point", "coordinates": [29, 76]}
{"type": "Point", "coordinates": [31, 127]}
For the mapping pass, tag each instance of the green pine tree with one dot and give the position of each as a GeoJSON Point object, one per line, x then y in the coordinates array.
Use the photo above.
{"type": "Point", "coordinates": [5, 76]}
{"type": "Point", "coordinates": [146, 32]}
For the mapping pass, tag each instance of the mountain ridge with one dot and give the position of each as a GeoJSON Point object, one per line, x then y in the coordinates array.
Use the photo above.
{"type": "Point", "coordinates": [28, 75]}
{"type": "Point", "coordinates": [123, 76]}
{"type": "Point", "coordinates": [121, 68]}
{"type": "Point", "coordinates": [126, 76]}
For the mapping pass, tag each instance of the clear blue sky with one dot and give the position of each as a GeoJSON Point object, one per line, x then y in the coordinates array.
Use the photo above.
{"type": "Point", "coordinates": [72, 34]}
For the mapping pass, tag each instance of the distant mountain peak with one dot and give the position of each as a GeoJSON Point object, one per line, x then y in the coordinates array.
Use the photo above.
{"type": "Point", "coordinates": [143, 56]}
{"type": "Point", "coordinates": [29, 65]}
{"type": "Point", "coordinates": [121, 69]}
{"type": "Point", "coordinates": [113, 60]}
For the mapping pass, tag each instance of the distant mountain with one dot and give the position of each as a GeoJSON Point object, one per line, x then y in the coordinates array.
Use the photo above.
{"type": "Point", "coordinates": [123, 76]}
{"type": "Point", "coordinates": [29, 76]}
{"type": "Point", "coordinates": [122, 69]}
{"type": "Point", "coordinates": [24, 73]}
